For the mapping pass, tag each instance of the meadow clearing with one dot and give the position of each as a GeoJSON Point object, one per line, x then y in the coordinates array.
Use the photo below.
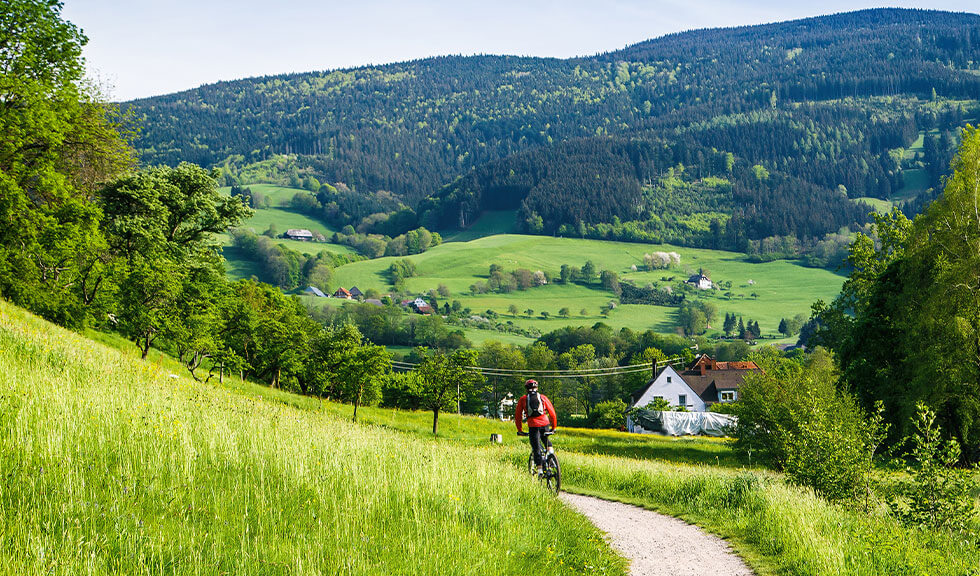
{"type": "Point", "coordinates": [112, 464]}
{"type": "Point", "coordinates": [782, 288]}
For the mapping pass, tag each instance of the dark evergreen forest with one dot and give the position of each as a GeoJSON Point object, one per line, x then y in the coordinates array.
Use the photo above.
{"type": "Point", "coordinates": [788, 121]}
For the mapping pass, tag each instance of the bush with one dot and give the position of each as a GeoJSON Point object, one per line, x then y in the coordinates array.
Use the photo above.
{"type": "Point", "coordinates": [939, 495]}
{"type": "Point", "coordinates": [796, 419]}
{"type": "Point", "coordinates": [609, 414]}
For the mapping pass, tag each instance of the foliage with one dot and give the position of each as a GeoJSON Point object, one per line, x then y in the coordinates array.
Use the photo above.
{"type": "Point", "coordinates": [793, 416]}
{"type": "Point", "coordinates": [58, 144]}
{"type": "Point", "coordinates": [937, 495]}
{"type": "Point", "coordinates": [907, 322]}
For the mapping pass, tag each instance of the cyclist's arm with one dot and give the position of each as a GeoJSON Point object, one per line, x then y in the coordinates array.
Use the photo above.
{"type": "Point", "coordinates": [551, 413]}
{"type": "Point", "coordinates": [519, 413]}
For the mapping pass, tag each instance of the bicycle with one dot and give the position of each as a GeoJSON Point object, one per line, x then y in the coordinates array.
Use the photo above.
{"type": "Point", "coordinates": [550, 470]}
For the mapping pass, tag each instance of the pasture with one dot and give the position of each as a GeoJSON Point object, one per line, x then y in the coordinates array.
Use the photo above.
{"type": "Point", "coordinates": [781, 289]}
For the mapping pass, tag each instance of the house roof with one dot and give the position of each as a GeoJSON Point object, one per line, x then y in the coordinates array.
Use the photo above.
{"type": "Point", "coordinates": [299, 232]}
{"type": "Point", "coordinates": [315, 291]}
{"type": "Point", "coordinates": [356, 292]}
{"type": "Point", "coordinates": [374, 301]}
{"type": "Point", "coordinates": [342, 293]}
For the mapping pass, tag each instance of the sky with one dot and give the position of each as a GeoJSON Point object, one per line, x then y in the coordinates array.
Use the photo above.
{"type": "Point", "coordinates": [141, 48]}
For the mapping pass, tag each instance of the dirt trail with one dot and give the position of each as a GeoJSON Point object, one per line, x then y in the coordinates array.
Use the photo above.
{"type": "Point", "coordinates": [656, 544]}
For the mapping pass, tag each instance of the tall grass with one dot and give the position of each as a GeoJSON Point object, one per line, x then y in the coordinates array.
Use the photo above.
{"type": "Point", "coordinates": [779, 528]}
{"type": "Point", "coordinates": [111, 466]}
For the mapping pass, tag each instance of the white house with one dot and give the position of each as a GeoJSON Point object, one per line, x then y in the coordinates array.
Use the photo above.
{"type": "Point", "coordinates": [700, 281]}
{"type": "Point", "coordinates": [703, 383]}
{"type": "Point", "coordinates": [299, 234]}
{"type": "Point", "coordinates": [669, 385]}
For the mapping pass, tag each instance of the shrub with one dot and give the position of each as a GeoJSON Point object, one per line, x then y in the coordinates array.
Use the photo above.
{"type": "Point", "coordinates": [794, 416]}
{"type": "Point", "coordinates": [609, 414]}
{"type": "Point", "coordinates": [939, 495]}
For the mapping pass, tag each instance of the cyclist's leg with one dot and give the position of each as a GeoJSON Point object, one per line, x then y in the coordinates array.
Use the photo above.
{"type": "Point", "coordinates": [535, 435]}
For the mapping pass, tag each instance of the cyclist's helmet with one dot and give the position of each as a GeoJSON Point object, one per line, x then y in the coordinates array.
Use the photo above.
{"type": "Point", "coordinates": [528, 385]}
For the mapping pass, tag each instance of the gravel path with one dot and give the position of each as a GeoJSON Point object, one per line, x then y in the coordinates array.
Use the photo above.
{"type": "Point", "coordinates": [656, 544]}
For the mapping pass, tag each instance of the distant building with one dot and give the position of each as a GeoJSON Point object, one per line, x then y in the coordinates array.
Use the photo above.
{"type": "Point", "coordinates": [703, 383]}
{"type": "Point", "coordinates": [342, 293]}
{"type": "Point", "coordinates": [374, 302]}
{"type": "Point", "coordinates": [314, 291]}
{"type": "Point", "coordinates": [300, 234]}
{"type": "Point", "coordinates": [700, 281]}
{"type": "Point", "coordinates": [356, 293]}
{"type": "Point", "coordinates": [418, 305]}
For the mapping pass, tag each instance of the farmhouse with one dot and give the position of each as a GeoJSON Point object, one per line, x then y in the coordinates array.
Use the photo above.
{"type": "Point", "coordinates": [355, 292]}
{"type": "Point", "coordinates": [700, 281]}
{"type": "Point", "coordinates": [342, 293]}
{"type": "Point", "coordinates": [314, 291]}
{"type": "Point", "coordinates": [298, 234]}
{"type": "Point", "coordinates": [703, 383]}
{"type": "Point", "coordinates": [418, 305]}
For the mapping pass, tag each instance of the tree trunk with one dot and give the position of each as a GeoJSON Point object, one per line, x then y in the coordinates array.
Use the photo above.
{"type": "Point", "coordinates": [435, 422]}
{"type": "Point", "coordinates": [145, 349]}
{"type": "Point", "coordinates": [357, 403]}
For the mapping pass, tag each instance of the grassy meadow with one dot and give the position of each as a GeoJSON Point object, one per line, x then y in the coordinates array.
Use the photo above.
{"type": "Point", "coordinates": [782, 288]}
{"type": "Point", "coordinates": [113, 466]}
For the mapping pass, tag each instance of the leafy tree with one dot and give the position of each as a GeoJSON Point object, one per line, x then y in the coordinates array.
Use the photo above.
{"type": "Point", "coordinates": [58, 144]}
{"type": "Point", "coordinates": [342, 362]}
{"type": "Point", "coordinates": [609, 414]}
{"type": "Point", "coordinates": [588, 272]}
{"type": "Point", "coordinates": [564, 312]}
{"type": "Point", "coordinates": [446, 380]}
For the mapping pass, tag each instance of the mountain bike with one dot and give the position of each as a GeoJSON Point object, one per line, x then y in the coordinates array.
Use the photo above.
{"type": "Point", "coordinates": [550, 470]}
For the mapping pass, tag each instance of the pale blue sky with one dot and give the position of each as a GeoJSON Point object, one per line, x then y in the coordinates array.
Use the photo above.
{"type": "Point", "coordinates": [143, 48]}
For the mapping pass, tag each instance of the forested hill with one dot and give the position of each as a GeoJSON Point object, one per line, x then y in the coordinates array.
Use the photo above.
{"type": "Point", "coordinates": [831, 102]}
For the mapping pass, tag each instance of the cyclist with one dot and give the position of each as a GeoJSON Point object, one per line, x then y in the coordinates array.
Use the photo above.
{"type": "Point", "coordinates": [540, 414]}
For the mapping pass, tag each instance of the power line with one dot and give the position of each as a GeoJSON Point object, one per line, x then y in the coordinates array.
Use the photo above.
{"type": "Point", "coordinates": [570, 373]}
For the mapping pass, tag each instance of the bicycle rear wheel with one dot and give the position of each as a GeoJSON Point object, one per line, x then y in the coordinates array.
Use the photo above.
{"type": "Point", "coordinates": [553, 474]}
{"type": "Point", "coordinates": [531, 468]}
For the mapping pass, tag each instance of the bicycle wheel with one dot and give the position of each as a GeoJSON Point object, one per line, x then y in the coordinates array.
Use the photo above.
{"type": "Point", "coordinates": [531, 468]}
{"type": "Point", "coordinates": [553, 474]}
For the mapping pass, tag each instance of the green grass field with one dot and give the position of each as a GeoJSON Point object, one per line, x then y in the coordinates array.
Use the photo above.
{"type": "Point", "coordinates": [488, 224]}
{"type": "Point", "coordinates": [783, 288]}
{"type": "Point", "coordinates": [113, 465]}
{"type": "Point", "coordinates": [876, 204]}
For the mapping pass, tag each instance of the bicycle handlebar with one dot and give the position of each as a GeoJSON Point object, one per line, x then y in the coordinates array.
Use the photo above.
{"type": "Point", "coordinates": [548, 433]}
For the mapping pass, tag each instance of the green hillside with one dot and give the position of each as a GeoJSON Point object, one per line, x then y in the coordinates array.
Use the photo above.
{"type": "Point", "coordinates": [112, 465]}
{"type": "Point", "coordinates": [783, 288]}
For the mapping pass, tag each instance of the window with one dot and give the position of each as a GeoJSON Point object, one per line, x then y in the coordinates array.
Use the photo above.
{"type": "Point", "coordinates": [727, 396]}
{"type": "Point", "coordinates": [668, 379]}
{"type": "Point", "coordinates": [682, 399]}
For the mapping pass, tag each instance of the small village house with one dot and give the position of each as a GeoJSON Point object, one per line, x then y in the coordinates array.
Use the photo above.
{"type": "Point", "coordinates": [700, 281]}
{"type": "Point", "coordinates": [300, 234]}
{"type": "Point", "coordinates": [314, 291]}
{"type": "Point", "coordinates": [342, 293]}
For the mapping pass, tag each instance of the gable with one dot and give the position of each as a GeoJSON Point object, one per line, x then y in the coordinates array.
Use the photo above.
{"type": "Point", "coordinates": [660, 386]}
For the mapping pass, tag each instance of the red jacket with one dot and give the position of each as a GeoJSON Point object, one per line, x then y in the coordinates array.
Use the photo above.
{"type": "Point", "coordinates": [535, 421]}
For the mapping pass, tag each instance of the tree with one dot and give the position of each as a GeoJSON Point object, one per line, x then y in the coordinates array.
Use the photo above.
{"type": "Point", "coordinates": [58, 144]}
{"type": "Point", "coordinates": [588, 272]}
{"type": "Point", "coordinates": [784, 328]}
{"type": "Point", "coordinates": [512, 310]}
{"type": "Point", "coordinates": [446, 380]}
{"type": "Point", "coordinates": [564, 312]}
{"type": "Point", "coordinates": [343, 362]}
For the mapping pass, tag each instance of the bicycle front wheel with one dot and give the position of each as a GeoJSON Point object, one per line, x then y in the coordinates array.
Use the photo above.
{"type": "Point", "coordinates": [531, 468]}
{"type": "Point", "coordinates": [553, 474]}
